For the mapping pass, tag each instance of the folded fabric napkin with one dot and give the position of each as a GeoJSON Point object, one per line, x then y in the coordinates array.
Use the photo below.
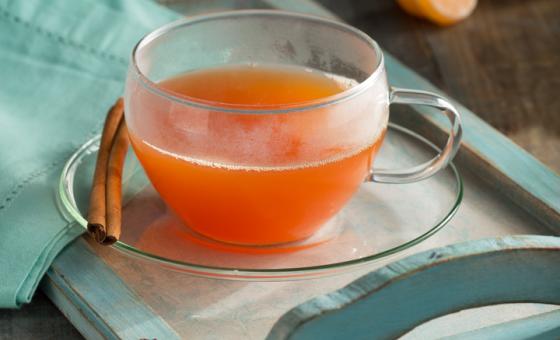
{"type": "Point", "coordinates": [62, 65]}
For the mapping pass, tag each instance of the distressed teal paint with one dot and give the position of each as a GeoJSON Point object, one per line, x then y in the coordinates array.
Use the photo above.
{"type": "Point", "coordinates": [101, 296]}
{"type": "Point", "coordinates": [391, 301]}
{"type": "Point", "coordinates": [71, 310]}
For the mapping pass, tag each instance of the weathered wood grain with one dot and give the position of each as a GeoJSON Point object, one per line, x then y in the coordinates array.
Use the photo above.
{"type": "Point", "coordinates": [103, 306]}
{"type": "Point", "coordinates": [392, 300]}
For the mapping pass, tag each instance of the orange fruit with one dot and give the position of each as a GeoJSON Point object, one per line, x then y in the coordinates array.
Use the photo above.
{"type": "Point", "coordinates": [410, 7]}
{"type": "Point", "coordinates": [441, 12]}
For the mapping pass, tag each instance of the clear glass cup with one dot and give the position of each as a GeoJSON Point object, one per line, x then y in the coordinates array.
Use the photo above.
{"type": "Point", "coordinates": [233, 185]}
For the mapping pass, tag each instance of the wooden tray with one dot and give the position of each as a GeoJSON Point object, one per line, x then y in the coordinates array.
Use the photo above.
{"type": "Point", "coordinates": [108, 295]}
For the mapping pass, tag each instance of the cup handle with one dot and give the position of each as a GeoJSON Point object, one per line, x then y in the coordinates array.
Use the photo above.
{"type": "Point", "coordinates": [423, 171]}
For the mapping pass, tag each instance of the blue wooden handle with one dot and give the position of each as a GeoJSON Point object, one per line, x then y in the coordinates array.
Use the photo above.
{"type": "Point", "coordinates": [391, 301]}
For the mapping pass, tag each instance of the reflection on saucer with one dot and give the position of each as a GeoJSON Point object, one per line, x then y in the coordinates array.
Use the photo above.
{"type": "Point", "coordinates": [151, 227]}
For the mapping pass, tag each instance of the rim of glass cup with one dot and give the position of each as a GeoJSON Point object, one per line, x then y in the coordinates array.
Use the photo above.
{"type": "Point", "coordinates": [66, 197]}
{"type": "Point", "coordinates": [249, 108]}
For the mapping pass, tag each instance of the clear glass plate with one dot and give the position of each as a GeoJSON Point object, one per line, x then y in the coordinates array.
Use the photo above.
{"type": "Point", "coordinates": [381, 220]}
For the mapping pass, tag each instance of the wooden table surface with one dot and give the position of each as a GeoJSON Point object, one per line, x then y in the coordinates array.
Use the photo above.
{"type": "Point", "coordinates": [503, 63]}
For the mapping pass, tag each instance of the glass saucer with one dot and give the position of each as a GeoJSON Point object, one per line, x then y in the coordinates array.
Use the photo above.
{"type": "Point", "coordinates": [380, 220]}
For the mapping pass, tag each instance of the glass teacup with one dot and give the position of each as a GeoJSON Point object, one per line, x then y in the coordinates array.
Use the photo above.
{"type": "Point", "coordinates": [264, 173]}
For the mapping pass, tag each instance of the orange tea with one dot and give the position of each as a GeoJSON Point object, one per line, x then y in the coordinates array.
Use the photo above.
{"type": "Point", "coordinates": [263, 180]}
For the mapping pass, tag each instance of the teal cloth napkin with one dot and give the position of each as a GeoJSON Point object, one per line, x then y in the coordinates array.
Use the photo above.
{"type": "Point", "coordinates": [62, 64]}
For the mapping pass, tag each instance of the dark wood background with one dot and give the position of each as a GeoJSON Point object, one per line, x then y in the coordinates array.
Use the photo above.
{"type": "Point", "coordinates": [503, 63]}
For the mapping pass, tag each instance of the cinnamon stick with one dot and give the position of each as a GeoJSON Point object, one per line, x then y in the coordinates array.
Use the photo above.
{"type": "Point", "coordinates": [97, 201]}
{"type": "Point", "coordinates": [114, 184]}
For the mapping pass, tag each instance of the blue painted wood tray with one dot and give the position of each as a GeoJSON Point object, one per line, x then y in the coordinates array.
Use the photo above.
{"type": "Point", "coordinates": [392, 300]}
{"type": "Point", "coordinates": [108, 295]}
